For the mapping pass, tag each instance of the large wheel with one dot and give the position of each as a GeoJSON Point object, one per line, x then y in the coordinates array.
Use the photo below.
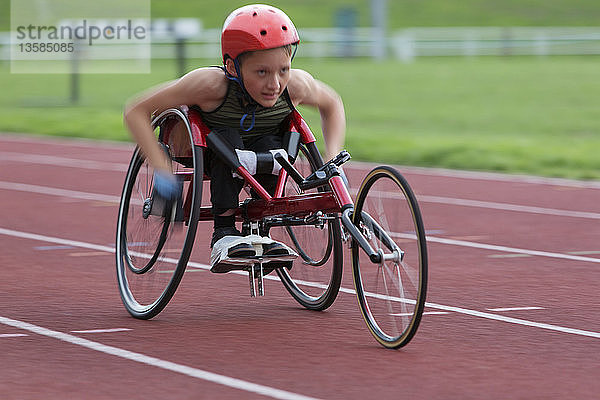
{"type": "Point", "coordinates": [391, 294]}
{"type": "Point", "coordinates": [153, 246]}
{"type": "Point", "coordinates": [315, 277]}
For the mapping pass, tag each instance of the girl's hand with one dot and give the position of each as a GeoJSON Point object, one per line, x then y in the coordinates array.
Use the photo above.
{"type": "Point", "coordinates": [167, 186]}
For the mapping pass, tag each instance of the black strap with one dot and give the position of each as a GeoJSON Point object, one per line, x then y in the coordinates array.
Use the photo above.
{"type": "Point", "coordinates": [288, 99]}
{"type": "Point", "coordinates": [264, 162]}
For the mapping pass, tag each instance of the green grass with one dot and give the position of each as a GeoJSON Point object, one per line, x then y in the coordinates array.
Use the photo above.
{"type": "Point", "coordinates": [405, 13]}
{"type": "Point", "coordinates": [522, 115]}
{"type": "Point", "coordinates": [514, 114]}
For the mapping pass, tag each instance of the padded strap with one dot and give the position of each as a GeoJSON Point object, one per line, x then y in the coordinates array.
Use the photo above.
{"type": "Point", "coordinates": [260, 163]}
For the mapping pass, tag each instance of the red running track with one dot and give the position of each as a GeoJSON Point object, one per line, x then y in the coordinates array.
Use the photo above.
{"type": "Point", "coordinates": [513, 305]}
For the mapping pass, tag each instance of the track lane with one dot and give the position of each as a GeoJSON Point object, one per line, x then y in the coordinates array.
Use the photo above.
{"type": "Point", "coordinates": [329, 355]}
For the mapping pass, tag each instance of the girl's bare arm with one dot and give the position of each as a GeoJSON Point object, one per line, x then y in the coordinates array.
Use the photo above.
{"type": "Point", "coordinates": [304, 89]}
{"type": "Point", "coordinates": [204, 87]}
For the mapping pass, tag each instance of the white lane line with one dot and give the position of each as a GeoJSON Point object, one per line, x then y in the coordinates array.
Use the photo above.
{"type": "Point", "coordinates": [191, 270]}
{"type": "Point", "coordinates": [508, 255]}
{"type": "Point", "coordinates": [422, 198]}
{"type": "Point", "coordinates": [493, 247]}
{"type": "Point", "coordinates": [508, 207]}
{"type": "Point", "coordinates": [11, 335]}
{"type": "Point", "coordinates": [584, 253]}
{"type": "Point", "coordinates": [515, 308]}
{"type": "Point", "coordinates": [96, 144]}
{"type": "Point", "coordinates": [75, 194]}
{"type": "Point", "coordinates": [62, 161]}
{"type": "Point", "coordinates": [116, 199]}
{"type": "Point", "coordinates": [517, 321]}
{"type": "Point", "coordinates": [433, 239]}
{"type": "Point", "coordinates": [362, 166]}
{"type": "Point", "coordinates": [88, 254]}
{"type": "Point", "coordinates": [506, 249]}
{"type": "Point", "coordinates": [50, 239]}
{"type": "Point", "coordinates": [47, 248]}
{"type": "Point", "coordinates": [156, 362]}
{"type": "Point", "coordinates": [474, 313]}
{"type": "Point", "coordinates": [477, 175]}
{"type": "Point", "coordinates": [424, 313]}
{"type": "Point", "coordinates": [463, 243]}
{"type": "Point", "coordinates": [103, 330]}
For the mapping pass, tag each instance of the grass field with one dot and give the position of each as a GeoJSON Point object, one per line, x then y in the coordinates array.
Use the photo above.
{"type": "Point", "coordinates": [515, 114]}
{"type": "Point", "coordinates": [405, 13]}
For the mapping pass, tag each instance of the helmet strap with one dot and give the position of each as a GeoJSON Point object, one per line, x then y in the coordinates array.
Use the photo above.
{"type": "Point", "coordinates": [251, 108]}
{"type": "Point", "coordinates": [251, 103]}
{"type": "Point", "coordinates": [238, 72]}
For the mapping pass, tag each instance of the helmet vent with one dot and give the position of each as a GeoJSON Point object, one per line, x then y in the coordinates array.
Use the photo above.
{"type": "Point", "coordinates": [283, 27]}
{"type": "Point", "coordinates": [254, 14]}
{"type": "Point", "coordinates": [263, 32]}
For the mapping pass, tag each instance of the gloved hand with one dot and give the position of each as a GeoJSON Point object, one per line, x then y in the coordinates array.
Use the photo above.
{"type": "Point", "coordinates": [166, 194]}
{"type": "Point", "coordinates": [166, 185]}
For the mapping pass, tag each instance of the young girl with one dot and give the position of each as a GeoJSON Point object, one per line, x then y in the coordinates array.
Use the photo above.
{"type": "Point", "coordinates": [246, 101]}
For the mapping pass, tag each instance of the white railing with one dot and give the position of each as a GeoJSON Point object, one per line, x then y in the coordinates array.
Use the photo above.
{"type": "Point", "coordinates": [405, 44]}
{"type": "Point", "coordinates": [540, 41]}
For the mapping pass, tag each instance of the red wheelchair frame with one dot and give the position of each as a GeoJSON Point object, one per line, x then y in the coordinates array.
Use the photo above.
{"type": "Point", "coordinates": [331, 203]}
{"type": "Point", "coordinates": [299, 205]}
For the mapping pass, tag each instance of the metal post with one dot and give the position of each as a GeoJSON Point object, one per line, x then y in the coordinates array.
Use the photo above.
{"type": "Point", "coordinates": [180, 51]}
{"type": "Point", "coordinates": [74, 79]}
{"type": "Point", "coordinates": [251, 278]}
{"type": "Point", "coordinates": [379, 17]}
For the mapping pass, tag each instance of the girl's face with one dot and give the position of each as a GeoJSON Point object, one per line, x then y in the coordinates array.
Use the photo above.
{"type": "Point", "coordinates": [265, 74]}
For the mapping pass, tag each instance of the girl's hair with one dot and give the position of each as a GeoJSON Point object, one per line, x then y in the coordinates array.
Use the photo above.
{"type": "Point", "coordinates": [287, 49]}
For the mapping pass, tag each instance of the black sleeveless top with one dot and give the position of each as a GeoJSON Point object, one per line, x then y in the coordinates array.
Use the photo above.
{"type": "Point", "coordinates": [267, 120]}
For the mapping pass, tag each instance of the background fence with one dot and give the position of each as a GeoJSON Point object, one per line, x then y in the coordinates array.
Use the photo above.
{"type": "Point", "coordinates": [405, 45]}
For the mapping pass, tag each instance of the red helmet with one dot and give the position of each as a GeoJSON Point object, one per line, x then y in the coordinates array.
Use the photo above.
{"type": "Point", "coordinates": [256, 27]}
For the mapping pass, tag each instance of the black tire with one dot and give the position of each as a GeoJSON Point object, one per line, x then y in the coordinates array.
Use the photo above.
{"type": "Point", "coordinates": [315, 277]}
{"type": "Point", "coordinates": [391, 295]}
{"type": "Point", "coordinates": [152, 250]}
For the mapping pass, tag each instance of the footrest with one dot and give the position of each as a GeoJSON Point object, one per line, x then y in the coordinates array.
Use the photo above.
{"type": "Point", "coordinates": [261, 259]}
{"type": "Point", "coordinates": [244, 264]}
{"type": "Point", "coordinates": [221, 262]}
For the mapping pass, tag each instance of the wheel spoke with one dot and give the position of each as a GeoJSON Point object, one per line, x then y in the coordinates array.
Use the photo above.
{"type": "Point", "coordinates": [390, 310]}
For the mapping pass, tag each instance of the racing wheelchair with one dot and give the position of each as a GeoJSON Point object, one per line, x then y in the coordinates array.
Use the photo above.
{"type": "Point", "coordinates": [311, 211]}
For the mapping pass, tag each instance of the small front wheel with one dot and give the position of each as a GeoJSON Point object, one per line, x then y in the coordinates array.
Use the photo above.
{"type": "Point", "coordinates": [391, 293]}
